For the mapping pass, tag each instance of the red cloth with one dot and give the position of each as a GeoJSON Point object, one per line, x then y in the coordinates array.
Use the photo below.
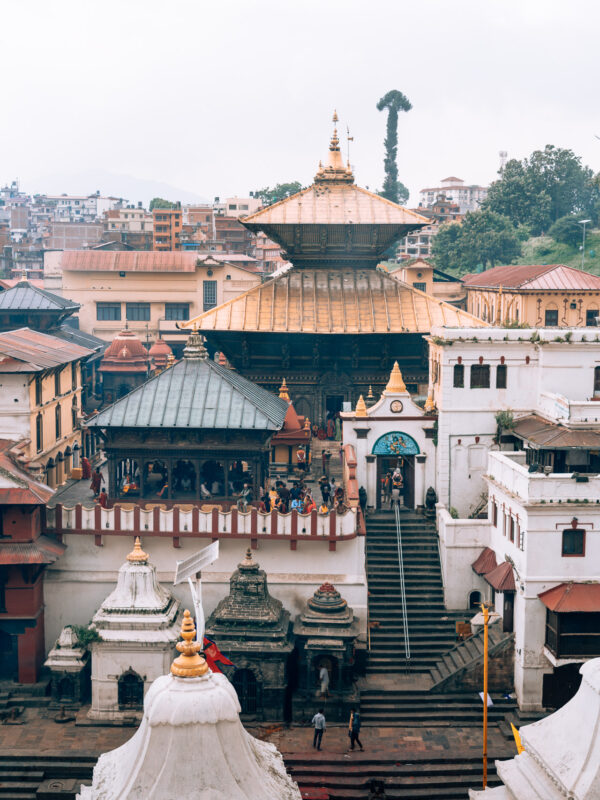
{"type": "Point", "coordinates": [86, 469]}
{"type": "Point", "coordinates": [97, 479]}
{"type": "Point", "coordinates": [212, 654]}
{"type": "Point", "coordinates": [103, 499]}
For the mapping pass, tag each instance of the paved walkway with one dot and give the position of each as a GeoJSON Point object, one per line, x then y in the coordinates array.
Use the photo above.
{"type": "Point", "coordinates": [41, 734]}
{"type": "Point", "coordinates": [73, 492]}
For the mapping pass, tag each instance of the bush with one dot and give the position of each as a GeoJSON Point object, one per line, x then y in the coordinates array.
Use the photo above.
{"type": "Point", "coordinates": [86, 635]}
{"type": "Point", "coordinates": [567, 230]}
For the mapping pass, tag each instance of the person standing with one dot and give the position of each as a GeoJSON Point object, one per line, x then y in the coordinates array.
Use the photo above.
{"type": "Point", "coordinates": [325, 487]}
{"type": "Point", "coordinates": [97, 481]}
{"type": "Point", "coordinates": [354, 729]}
{"type": "Point", "coordinates": [103, 498]}
{"type": "Point", "coordinates": [320, 725]}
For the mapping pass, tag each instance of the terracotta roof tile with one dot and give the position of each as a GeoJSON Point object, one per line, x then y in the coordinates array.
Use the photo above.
{"type": "Point", "coordinates": [502, 578]}
{"type": "Point", "coordinates": [485, 562]}
{"type": "Point", "coordinates": [572, 597]}
{"type": "Point", "coordinates": [534, 276]}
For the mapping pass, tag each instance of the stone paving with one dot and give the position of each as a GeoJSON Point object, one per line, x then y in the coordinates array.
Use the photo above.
{"type": "Point", "coordinates": [41, 734]}
{"type": "Point", "coordinates": [73, 492]}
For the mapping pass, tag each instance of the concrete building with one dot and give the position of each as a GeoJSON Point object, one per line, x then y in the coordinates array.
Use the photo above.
{"type": "Point", "coordinates": [40, 401]}
{"type": "Point", "coordinates": [152, 292]}
{"type": "Point", "coordinates": [422, 275]}
{"type": "Point", "coordinates": [535, 295]}
{"type": "Point", "coordinates": [73, 235]}
{"type": "Point", "coordinates": [419, 243]}
{"type": "Point", "coordinates": [468, 198]}
{"type": "Point", "coordinates": [167, 228]}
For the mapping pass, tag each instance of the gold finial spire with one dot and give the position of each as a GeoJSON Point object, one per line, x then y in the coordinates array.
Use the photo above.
{"type": "Point", "coordinates": [395, 384]}
{"type": "Point", "coordinates": [429, 406]}
{"type": "Point", "coordinates": [370, 396]}
{"type": "Point", "coordinates": [283, 391]}
{"type": "Point", "coordinates": [137, 555]}
{"type": "Point", "coordinates": [335, 116]}
{"type": "Point", "coordinates": [306, 424]}
{"type": "Point", "coordinates": [334, 170]}
{"type": "Point", "coordinates": [189, 664]}
{"type": "Point", "coordinates": [361, 408]}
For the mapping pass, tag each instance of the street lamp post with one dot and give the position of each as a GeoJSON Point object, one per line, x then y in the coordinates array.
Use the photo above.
{"type": "Point", "coordinates": [583, 222]}
{"type": "Point", "coordinates": [486, 619]}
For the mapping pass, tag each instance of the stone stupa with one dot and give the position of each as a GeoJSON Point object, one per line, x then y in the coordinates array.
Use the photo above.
{"type": "Point", "coordinates": [191, 743]}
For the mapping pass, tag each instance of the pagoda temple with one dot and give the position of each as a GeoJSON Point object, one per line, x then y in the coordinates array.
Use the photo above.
{"type": "Point", "coordinates": [333, 324]}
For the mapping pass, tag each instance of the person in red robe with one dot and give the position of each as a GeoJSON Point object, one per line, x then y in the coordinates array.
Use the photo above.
{"type": "Point", "coordinates": [97, 481]}
{"type": "Point", "coordinates": [86, 469]}
{"type": "Point", "coordinates": [103, 499]}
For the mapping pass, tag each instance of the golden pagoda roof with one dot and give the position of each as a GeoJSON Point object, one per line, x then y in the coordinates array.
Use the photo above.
{"type": "Point", "coordinates": [334, 301]}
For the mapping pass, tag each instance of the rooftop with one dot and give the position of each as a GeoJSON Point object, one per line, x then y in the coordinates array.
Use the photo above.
{"type": "Point", "coordinates": [25, 296]}
{"type": "Point", "coordinates": [16, 487]}
{"type": "Point", "coordinates": [334, 301]}
{"type": "Point", "coordinates": [24, 350]}
{"type": "Point", "coordinates": [195, 393]}
{"type": "Point", "coordinates": [147, 261]}
{"type": "Point", "coordinates": [551, 277]}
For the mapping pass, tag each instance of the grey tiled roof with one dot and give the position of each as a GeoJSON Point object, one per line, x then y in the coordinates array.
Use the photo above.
{"type": "Point", "coordinates": [195, 393]}
{"type": "Point", "coordinates": [25, 297]}
{"type": "Point", "coordinates": [77, 336]}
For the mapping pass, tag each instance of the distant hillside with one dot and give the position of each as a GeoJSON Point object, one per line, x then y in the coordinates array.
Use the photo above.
{"type": "Point", "coordinates": [544, 250]}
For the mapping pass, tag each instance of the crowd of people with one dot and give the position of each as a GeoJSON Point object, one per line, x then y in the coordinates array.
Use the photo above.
{"type": "Point", "coordinates": [299, 497]}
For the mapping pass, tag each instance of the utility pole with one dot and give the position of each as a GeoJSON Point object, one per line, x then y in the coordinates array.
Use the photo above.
{"type": "Point", "coordinates": [485, 690]}
{"type": "Point", "coordinates": [583, 222]}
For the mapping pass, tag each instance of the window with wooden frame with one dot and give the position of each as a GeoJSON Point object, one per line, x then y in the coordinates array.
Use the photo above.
{"type": "Point", "coordinates": [480, 376]}
{"type": "Point", "coordinates": [573, 542]}
{"type": "Point", "coordinates": [459, 376]}
{"type": "Point", "coordinates": [494, 514]}
{"type": "Point", "coordinates": [501, 376]}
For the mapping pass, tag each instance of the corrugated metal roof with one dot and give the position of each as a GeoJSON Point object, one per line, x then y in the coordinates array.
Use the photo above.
{"type": "Point", "coordinates": [572, 597]}
{"type": "Point", "coordinates": [43, 551]}
{"type": "Point", "coordinates": [77, 336]}
{"type": "Point", "coordinates": [149, 261]}
{"type": "Point", "coordinates": [26, 297]}
{"type": "Point", "coordinates": [502, 578]}
{"type": "Point", "coordinates": [338, 203]}
{"type": "Point", "coordinates": [16, 487]}
{"type": "Point", "coordinates": [195, 393]}
{"type": "Point", "coordinates": [334, 301]}
{"type": "Point", "coordinates": [550, 435]}
{"type": "Point", "coordinates": [485, 561]}
{"type": "Point", "coordinates": [24, 350]}
{"type": "Point", "coordinates": [534, 276]}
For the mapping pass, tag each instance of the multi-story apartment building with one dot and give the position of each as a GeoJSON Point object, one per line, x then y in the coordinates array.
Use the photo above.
{"type": "Point", "coordinates": [468, 198]}
{"type": "Point", "coordinates": [419, 243]}
{"type": "Point", "coordinates": [150, 292]}
{"type": "Point", "coordinates": [40, 401]}
{"type": "Point", "coordinates": [167, 224]}
{"type": "Point", "coordinates": [79, 208]}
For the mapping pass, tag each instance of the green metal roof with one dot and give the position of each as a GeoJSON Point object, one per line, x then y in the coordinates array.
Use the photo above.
{"type": "Point", "coordinates": [26, 297]}
{"type": "Point", "coordinates": [195, 393]}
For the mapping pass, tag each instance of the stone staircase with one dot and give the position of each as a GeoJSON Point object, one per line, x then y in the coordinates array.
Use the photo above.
{"type": "Point", "coordinates": [466, 654]}
{"type": "Point", "coordinates": [41, 777]}
{"type": "Point", "coordinates": [431, 627]}
{"type": "Point", "coordinates": [418, 777]}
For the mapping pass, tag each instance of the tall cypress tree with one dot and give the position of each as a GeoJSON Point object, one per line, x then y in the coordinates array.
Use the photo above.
{"type": "Point", "coordinates": [393, 189]}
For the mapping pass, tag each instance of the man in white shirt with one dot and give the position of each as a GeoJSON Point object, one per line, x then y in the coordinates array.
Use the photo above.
{"type": "Point", "coordinates": [319, 722]}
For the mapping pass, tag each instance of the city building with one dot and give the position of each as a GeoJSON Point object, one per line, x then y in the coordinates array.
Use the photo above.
{"type": "Point", "coordinates": [40, 402]}
{"type": "Point", "coordinates": [333, 324]}
{"type": "Point", "coordinates": [24, 554]}
{"type": "Point", "coordinates": [422, 275]}
{"type": "Point", "coordinates": [131, 226]}
{"type": "Point", "coordinates": [467, 198]}
{"type": "Point", "coordinates": [124, 366]}
{"type": "Point", "coordinates": [418, 244]}
{"type": "Point", "coordinates": [152, 292]}
{"type": "Point", "coordinates": [73, 235]}
{"type": "Point", "coordinates": [167, 228]}
{"type": "Point", "coordinates": [241, 206]}
{"type": "Point", "coordinates": [546, 295]}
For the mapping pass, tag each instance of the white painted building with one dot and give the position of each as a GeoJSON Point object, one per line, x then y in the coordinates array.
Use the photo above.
{"type": "Point", "coordinates": [395, 431]}
{"type": "Point", "coordinates": [469, 198]}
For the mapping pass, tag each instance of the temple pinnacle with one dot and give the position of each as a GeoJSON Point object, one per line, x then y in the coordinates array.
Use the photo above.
{"type": "Point", "coordinates": [189, 664]}
{"type": "Point", "coordinates": [137, 555]}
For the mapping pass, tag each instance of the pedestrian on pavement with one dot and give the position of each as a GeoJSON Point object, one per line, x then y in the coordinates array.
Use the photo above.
{"type": "Point", "coordinates": [97, 481]}
{"type": "Point", "coordinates": [354, 729]}
{"type": "Point", "coordinates": [103, 499]}
{"type": "Point", "coordinates": [320, 725]}
{"type": "Point", "coordinates": [325, 487]}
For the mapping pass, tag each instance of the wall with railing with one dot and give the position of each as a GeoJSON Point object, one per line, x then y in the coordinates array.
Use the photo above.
{"type": "Point", "coordinates": [191, 521]}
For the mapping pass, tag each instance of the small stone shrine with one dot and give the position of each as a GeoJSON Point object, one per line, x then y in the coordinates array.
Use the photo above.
{"type": "Point", "coordinates": [138, 625]}
{"type": "Point", "coordinates": [325, 633]}
{"type": "Point", "coordinates": [191, 743]}
{"type": "Point", "coordinates": [69, 665]}
{"type": "Point", "coordinates": [252, 629]}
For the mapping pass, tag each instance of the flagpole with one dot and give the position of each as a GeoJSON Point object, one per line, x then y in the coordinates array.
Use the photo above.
{"type": "Point", "coordinates": [485, 691]}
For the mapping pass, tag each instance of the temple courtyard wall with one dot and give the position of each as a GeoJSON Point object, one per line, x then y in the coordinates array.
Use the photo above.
{"type": "Point", "coordinates": [76, 585]}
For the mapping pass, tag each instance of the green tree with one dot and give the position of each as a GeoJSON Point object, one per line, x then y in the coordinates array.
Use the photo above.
{"type": "Point", "coordinates": [484, 239]}
{"type": "Point", "coordinates": [279, 192]}
{"type": "Point", "coordinates": [393, 189]}
{"type": "Point", "coordinates": [567, 230]}
{"type": "Point", "coordinates": [541, 189]}
{"type": "Point", "coordinates": [160, 202]}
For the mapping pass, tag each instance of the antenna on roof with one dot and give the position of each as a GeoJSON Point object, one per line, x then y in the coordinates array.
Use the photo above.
{"type": "Point", "coordinates": [348, 139]}
{"type": "Point", "coordinates": [503, 156]}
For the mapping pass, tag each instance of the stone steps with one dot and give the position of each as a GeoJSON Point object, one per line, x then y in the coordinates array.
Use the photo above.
{"type": "Point", "coordinates": [466, 654]}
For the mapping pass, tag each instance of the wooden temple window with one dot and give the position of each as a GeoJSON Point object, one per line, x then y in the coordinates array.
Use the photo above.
{"type": "Point", "coordinates": [596, 381]}
{"type": "Point", "coordinates": [480, 376]}
{"type": "Point", "coordinates": [573, 542]}
{"type": "Point", "coordinates": [459, 376]}
{"type": "Point", "coordinates": [501, 376]}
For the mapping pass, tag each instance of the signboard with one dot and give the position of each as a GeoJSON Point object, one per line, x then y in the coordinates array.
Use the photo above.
{"type": "Point", "coordinates": [190, 566]}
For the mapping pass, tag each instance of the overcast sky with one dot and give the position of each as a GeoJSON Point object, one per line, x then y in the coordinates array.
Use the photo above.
{"type": "Point", "coordinates": [218, 98]}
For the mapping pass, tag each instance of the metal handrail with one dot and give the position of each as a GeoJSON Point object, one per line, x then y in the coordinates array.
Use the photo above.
{"type": "Point", "coordinates": [402, 584]}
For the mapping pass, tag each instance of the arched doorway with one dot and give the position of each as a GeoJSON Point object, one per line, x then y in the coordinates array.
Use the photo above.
{"type": "Point", "coordinates": [131, 690]}
{"type": "Point", "coordinates": [396, 450]}
{"type": "Point", "coordinates": [474, 599]}
{"type": "Point", "coordinates": [245, 684]}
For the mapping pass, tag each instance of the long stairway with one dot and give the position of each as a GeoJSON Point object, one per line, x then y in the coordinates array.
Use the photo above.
{"type": "Point", "coordinates": [431, 628]}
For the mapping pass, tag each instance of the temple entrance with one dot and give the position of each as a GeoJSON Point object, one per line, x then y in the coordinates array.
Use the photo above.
{"type": "Point", "coordinates": [9, 661]}
{"type": "Point", "coordinates": [131, 690]}
{"type": "Point", "coordinates": [395, 451]}
{"type": "Point", "coordinates": [333, 404]}
{"type": "Point", "coordinates": [244, 683]}
{"type": "Point", "coordinates": [561, 686]}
